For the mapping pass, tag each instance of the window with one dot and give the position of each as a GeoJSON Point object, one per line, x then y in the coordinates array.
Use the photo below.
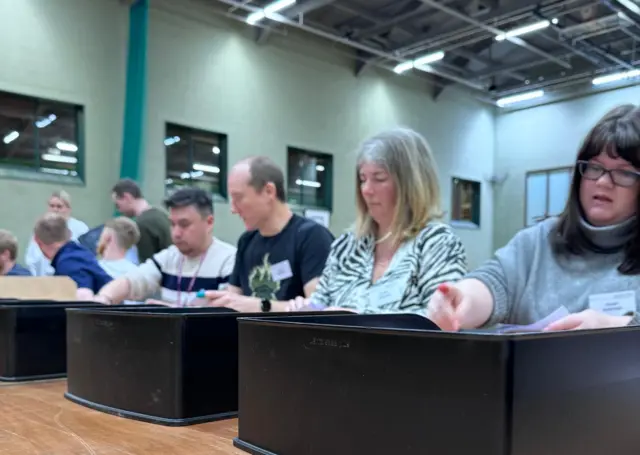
{"type": "Point", "coordinates": [309, 178]}
{"type": "Point", "coordinates": [195, 158]}
{"type": "Point", "coordinates": [465, 203]}
{"type": "Point", "coordinates": [546, 193]}
{"type": "Point", "coordinates": [40, 138]}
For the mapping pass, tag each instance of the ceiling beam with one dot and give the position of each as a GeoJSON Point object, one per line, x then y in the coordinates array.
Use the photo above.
{"type": "Point", "coordinates": [515, 40]}
{"type": "Point", "coordinates": [299, 9]}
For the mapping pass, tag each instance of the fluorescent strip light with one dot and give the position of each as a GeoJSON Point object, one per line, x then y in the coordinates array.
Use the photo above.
{"type": "Point", "coordinates": [59, 158]}
{"type": "Point", "coordinates": [12, 136]}
{"type": "Point", "coordinates": [631, 6]}
{"type": "Point", "coordinates": [420, 61]}
{"type": "Point", "coordinates": [171, 140]}
{"type": "Point", "coordinates": [206, 168]}
{"type": "Point", "coordinates": [67, 147]}
{"type": "Point", "coordinates": [216, 150]}
{"type": "Point", "coordinates": [319, 168]}
{"type": "Point", "coordinates": [403, 67]}
{"type": "Point", "coordinates": [269, 10]}
{"type": "Point", "coordinates": [520, 98]}
{"type": "Point", "coordinates": [523, 30]}
{"type": "Point", "coordinates": [615, 77]}
{"type": "Point", "coordinates": [49, 170]}
{"type": "Point", "coordinates": [309, 183]}
{"type": "Point", "coordinates": [46, 121]}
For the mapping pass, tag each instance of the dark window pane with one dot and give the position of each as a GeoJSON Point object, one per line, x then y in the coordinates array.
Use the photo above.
{"type": "Point", "coordinates": [38, 134]}
{"type": "Point", "coordinates": [309, 178]}
{"type": "Point", "coordinates": [195, 158]}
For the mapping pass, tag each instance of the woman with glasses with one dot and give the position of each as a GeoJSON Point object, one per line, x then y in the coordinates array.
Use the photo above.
{"type": "Point", "coordinates": [587, 260]}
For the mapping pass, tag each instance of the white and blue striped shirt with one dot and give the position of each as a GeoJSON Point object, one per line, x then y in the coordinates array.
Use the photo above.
{"type": "Point", "coordinates": [173, 274]}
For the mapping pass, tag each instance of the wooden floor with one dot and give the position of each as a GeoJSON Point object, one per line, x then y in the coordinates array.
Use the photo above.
{"type": "Point", "coordinates": [35, 419]}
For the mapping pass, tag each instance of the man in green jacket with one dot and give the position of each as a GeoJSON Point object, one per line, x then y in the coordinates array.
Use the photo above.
{"type": "Point", "coordinates": [153, 223]}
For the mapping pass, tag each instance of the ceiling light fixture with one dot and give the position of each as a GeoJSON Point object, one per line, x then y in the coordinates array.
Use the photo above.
{"type": "Point", "coordinates": [268, 10]}
{"type": "Point", "coordinates": [502, 102]}
{"type": "Point", "coordinates": [171, 140]}
{"type": "Point", "coordinates": [523, 30]}
{"type": "Point", "coordinates": [12, 136]}
{"type": "Point", "coordinates": [615, 77]}
{"type": "Point", "coordinates": [206, 168]}
{"type": "Point", "coordinates": [418, 62]}
{"type": "Point", "coordinates": [631, 6]}
{"type": "Point", "coordinates": [67, 147]}
{"type": "Point", "coordinates": [309, 183]}
{"type": "Point", "coordinates": [59, 158]}
{"type": "Point", "coordinates": [46, 121]}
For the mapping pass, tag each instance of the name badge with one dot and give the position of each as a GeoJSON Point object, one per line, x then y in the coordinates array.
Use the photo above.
{"type": "Point", "coordinates": [387, 294]}
{"type": "Point", "coordinates": [281, 271]}
{"type": "Point", "coordinates": [614, 303]}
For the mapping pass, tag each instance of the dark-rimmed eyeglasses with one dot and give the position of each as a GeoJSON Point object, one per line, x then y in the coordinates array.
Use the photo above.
{"type": "Point", "coordinates": [620, 177]}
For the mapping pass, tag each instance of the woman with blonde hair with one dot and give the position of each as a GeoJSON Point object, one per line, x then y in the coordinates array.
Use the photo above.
{"type": "Point", "coordinates": [397, 254]}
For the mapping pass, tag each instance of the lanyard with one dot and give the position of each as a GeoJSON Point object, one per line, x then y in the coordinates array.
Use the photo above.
{"type": "Point", "coordinates": [193, 279]}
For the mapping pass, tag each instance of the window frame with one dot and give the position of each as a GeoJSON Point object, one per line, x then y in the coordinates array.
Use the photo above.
{"type": "Point", "coordinates": [327, 174]}
{"type": "Point", "coordinates": [223, 145]}
{"type": "Point", "coordinates": [476, 221]}
{"type": "Point", "coordinates": [546, 172]}
{"type": "Point", "coordinates": [34, 173]}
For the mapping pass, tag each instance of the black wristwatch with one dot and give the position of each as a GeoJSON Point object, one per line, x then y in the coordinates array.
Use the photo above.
{"type": "Point", "coordinates": [265, 305]}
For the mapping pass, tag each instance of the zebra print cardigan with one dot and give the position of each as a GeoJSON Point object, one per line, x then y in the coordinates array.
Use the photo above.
{"type": "Point", "coordinates": [436, 255]}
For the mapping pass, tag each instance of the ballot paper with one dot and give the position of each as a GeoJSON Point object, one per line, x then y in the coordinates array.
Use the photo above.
{"type": "Point", "coordinates": [536, 326]}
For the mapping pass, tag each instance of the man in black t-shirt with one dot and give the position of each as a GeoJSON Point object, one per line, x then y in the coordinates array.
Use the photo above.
{"type": "Point", "coordinates": [282, 255]}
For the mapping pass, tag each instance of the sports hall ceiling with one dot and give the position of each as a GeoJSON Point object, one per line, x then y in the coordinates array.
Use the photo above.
{"type": "Point", "coordinates": [478, 45]}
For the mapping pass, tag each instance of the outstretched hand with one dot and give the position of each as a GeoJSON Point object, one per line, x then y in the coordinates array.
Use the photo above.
{"type": "Point", "coordinates": [588, 319]}
{"type": "Point", "coordinates": [446, 306]}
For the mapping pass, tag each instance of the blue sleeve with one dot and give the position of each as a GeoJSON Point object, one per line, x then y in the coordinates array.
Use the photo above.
{"type": "Point", "coordinates": [82, 277]}
{"type": "Point", "coordinates": [315, 245]}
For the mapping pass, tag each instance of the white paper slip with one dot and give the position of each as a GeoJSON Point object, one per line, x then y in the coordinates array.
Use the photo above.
{"type": "Point", "coordinates": [614, 303]}
{"type": "Point", "coordinates": [537, 326]}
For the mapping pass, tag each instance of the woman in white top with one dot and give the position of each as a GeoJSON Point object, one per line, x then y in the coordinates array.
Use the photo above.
{"type": "Point", "coordinates": [59, 202]}
{"type": "Point", "coordinates": [397, 254]}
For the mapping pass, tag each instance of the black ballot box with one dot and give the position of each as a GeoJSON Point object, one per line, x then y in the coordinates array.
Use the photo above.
{"type": "Point", "coordinates": [395, 384]}
{"type": "Point", "coordinates": [33, 338]}
{"type": "Point", "coordinates": [169, 366]}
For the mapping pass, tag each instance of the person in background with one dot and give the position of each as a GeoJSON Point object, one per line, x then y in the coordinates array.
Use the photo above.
{"type": "Point", "coordinates": [67, 257]}
{"type": "Point", "coordinates": [196, 260]}
{"type": "Point", "coordinates": [60, 203]}
{"type": "Point", "coordinates": [153, 223]}
{"type": "Point", "coordinates": [397, 254]}
{"type": "Point", "coordinates": [9, 254]}
{"type": "Point", "coordinates": [281, 256]}
{"type": "Point", "coordinates": [587, 259]}
{"type": "Point", "coordinates": [118, 236]}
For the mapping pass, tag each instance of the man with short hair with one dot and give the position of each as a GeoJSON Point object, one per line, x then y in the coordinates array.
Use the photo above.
{"type": "Point", "coordinates": [67, 257]}
{"type": "Point", "coordinates": [59, 202]}
{"type": "Point", "coordinates": [9, 254]}
{"type": "Point", "coordinates": [118, 236]}
{"type": "Point", "coordinates": [282, 255]}
{"type": "Point", "coordinates": [196, 260]}
{"type": "Point", "coordinates": [153, 223]}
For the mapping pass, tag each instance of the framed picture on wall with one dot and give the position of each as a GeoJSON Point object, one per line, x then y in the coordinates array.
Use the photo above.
{"type": "Point", "coordinates": [465, 203]}
{"type": "Point", "coordinates": [546, 193]}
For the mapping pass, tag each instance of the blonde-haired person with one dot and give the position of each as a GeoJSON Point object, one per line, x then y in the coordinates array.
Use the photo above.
{"type": "Point", "coordinates": [118, 236]}
{"type": "Point", "coordinates": [59, 202]}
{"type": "Point", "coordinates": [397, 254]}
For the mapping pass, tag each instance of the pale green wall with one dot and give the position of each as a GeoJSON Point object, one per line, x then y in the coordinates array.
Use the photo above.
{"type": "Point", "coordinates": [541, 138]}
{"type": "Point", "coordinates": [72, 51]}
{"type": "Point", "coordinates": [207, 72]}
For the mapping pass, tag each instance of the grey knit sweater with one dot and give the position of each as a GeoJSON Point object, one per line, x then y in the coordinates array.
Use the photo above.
{"type": "Point", "coordinates": [528, 281]}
